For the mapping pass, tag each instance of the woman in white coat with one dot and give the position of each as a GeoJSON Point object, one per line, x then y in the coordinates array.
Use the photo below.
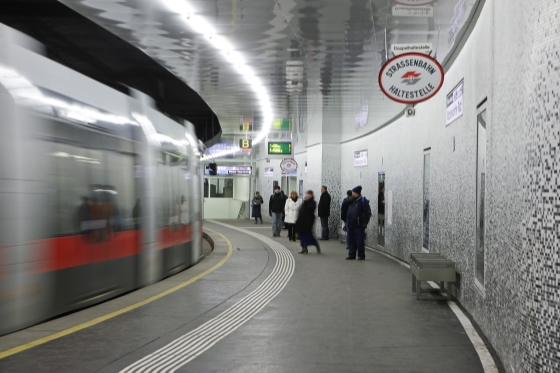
{"type": "Point", "coordinates": [291, 210]}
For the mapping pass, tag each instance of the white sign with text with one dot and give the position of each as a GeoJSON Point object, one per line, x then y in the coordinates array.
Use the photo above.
{"type": "Point", "coordinates": [360, 158]}
{"type": "Point", "coordinates": [269, 172]}
{"type": "Point", "coordinates": [454, 108]}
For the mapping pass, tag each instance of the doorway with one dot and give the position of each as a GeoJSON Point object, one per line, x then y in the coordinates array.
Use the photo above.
{"type": "Point", "coordinates": [381, 209]}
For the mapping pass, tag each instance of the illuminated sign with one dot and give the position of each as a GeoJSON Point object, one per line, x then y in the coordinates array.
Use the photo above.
{"type": "Point", "coordinates": [279, 148]}
{"type": "Point", "coordinates": [282, 124]}
{"type": "Point", "coordinates": [231, 170]}
{"type": "Point", "coordinates": [245, 144]}
{"type": "Point", "coordinates": [246, 124]}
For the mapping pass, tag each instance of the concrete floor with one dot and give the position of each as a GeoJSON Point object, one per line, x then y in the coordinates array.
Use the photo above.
{"type": "Point", "coordinates": [333, 316]}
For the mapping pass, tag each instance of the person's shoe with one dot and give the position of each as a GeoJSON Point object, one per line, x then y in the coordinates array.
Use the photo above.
{"type": "Point", "coordinates": [346, 248]}
{"type": "Point", "coordinates": [318, 249]}
{"type": "Point", "coordinates": [350, 258]}
{"type": "Point", "coordinates": [255, 221]}
{"type": "Point", "coordinates": [303, 250]}
{"type": "Point", "coordinates": [362, 258]}
{"type": "Point", "coordinates": [273, 234]}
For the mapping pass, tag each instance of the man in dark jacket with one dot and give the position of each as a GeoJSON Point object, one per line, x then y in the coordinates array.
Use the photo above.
{"type": "Point", "coordinates": [344, 213]}
{"type": "Point", "coordinates": [324, 212]}
{"type": "Point", "coordinates": [359, 213]}
{"type": "Point", "coordinates": [275, 209]}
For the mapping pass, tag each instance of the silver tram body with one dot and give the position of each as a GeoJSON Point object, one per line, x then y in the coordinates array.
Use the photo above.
{"type": "Point", "coordinates": [99, 192]}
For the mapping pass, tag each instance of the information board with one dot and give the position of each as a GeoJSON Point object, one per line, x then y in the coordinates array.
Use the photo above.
{"type": "Point", "coordinates": [454, 108]}
{"type": "Point", "coordinates": [279, 147]}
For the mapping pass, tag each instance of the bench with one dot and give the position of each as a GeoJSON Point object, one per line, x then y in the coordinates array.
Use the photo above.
{"type": "Point", "coordinates": [432, 267]}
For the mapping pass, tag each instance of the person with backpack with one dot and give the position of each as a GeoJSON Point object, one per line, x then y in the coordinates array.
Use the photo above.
{"type": "Point", "coordinates": [359, 214]}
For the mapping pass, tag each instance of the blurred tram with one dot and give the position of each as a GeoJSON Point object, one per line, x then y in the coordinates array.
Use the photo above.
{"type": "Point", "coordinates": [99, 192]}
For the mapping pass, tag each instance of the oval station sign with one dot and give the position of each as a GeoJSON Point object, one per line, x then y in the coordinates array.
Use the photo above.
{"type": "Point", "coordinates": [411, 78]}
{"type": "Point", "coordinates": [414, 2]}
{"type": "Point", "coordinates": [288, 165]}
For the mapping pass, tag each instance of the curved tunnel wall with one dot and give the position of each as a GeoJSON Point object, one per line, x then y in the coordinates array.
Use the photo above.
{"type": "Point", "coordinates": [510, 61]}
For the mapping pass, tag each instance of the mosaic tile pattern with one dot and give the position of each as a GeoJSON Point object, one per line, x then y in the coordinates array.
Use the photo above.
{"type": "Point", "coordinates": [541, 277]}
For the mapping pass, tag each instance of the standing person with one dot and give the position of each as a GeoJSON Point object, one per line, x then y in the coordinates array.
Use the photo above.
{"type": "Point", "coordinates": [344, 213]}
{"type": "Point", "coordinates": [305, 221]}
{"type": "Point", "coordinates": [275, 209]}
{"type": "Point", "coordinates": [256, 203]}
{"type": "Point", "coordinates": [283, 212]}
{"type": "Point", "coordinates": [291, 209]}
{"type": "Point", "coordinates": [324, 212]}
{"type": "Point", "coordinates": [358, 217]}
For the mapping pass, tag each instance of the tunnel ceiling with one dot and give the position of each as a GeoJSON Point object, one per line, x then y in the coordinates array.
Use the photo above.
{"type": "Point", "coordinates": [306, 52]}
{"type": "Point", "coordinates": [309, 54]}
{"type": "Point", "coordinates": [82, 45]}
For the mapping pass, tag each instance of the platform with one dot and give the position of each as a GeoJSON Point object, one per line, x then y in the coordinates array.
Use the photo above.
{"type": "Point", "coordinates": [328, 315]}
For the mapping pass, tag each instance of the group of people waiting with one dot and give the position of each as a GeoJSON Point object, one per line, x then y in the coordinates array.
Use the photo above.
{"type": "Point", "coordinates": [299, 217]}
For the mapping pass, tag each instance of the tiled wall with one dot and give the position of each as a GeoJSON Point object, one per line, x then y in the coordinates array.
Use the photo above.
{"type": "Point", "coordinates": [511, 62]}
{"type": "Point", "coordinates": [511, 59]}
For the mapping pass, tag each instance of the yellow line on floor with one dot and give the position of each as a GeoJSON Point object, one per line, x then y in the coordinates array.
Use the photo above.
{"type": "Point", "coordinates": [100, 319]}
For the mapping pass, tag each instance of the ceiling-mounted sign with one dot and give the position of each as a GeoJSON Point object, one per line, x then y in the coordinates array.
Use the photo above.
{"type": "Point", "coordinates": [279, 147]}
{"type": "Point", "coordinates": [414, 2]}
{"type": "Point", "coordinates": [454, 108]}
{"type": "Point", "coordinates": [399, 49]}
{"type": "Point", "coordinates": [413, 11]}
{"type": "Point", "coordinates": [360, 158]}
{"type": "Point", "coordinates": [246, 124]}
{"type": "Point", "coordinates": [411, 78]}
{"type": "Point", "coordinates": [268, 172]}
{"type": "Point", "coordinates": [288, 165]}
{"type": "Point", "coordinates": [245, 144]}
{"type": "Point", "coordinates": [282, 124]}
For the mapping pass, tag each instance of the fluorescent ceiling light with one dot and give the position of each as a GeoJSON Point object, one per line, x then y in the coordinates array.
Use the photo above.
{"type": "Point", "coordinates": [201, 26]}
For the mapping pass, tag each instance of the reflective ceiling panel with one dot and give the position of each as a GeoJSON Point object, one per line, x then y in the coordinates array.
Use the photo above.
{"type": "Point", "coordinates": [306, 52]}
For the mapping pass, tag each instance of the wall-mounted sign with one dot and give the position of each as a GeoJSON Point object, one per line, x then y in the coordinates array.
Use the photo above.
{"type": "Point", "coordinates": [454, 108]}
{"type": "Point", "coordinates": [231, 170]}
{"type": "Point", "coordinates": [282, 124]}
{"type": "Point", "coordinates": [414, 2]}
{"type": "Point", "coordinates": [288, 165]}
{"type": "Point", "coordinates": [411, 78]}
{"type": "Point", "coordinates": [268, 172]}
{"type": "Point", "coordinates": [413, 11]}
{"type": "Point", "coordinates": [362, 117]}
{"type": "Point", "coordinates": [399, 49]}
{"type": "Point", "coordinates": [246, 124]}
{"type": "Point", "coordinates": [275, 147]}
{"type": "Point", "coordinates": [237, 170]}
{"type": "Point", "coordinates": [360, 158]}
{"type": "Point", "coordinates": [245, 144]}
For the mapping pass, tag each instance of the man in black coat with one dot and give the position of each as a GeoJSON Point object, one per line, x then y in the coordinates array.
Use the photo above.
{"type": "Point", "coordinates": [275, 209]}
{"type": "Point", "coordinates": [344, 213]}
{"type": "Point", "coordinates": [324, 212]}
{"type": "Point", "coordinates": [359, 214]}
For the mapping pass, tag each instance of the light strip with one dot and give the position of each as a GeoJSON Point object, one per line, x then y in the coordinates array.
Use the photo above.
{"type": "Point", "coordinates": [201, 26]}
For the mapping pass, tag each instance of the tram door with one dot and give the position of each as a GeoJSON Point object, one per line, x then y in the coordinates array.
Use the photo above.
{"type": "Point", "coordinates": [381, 209]}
